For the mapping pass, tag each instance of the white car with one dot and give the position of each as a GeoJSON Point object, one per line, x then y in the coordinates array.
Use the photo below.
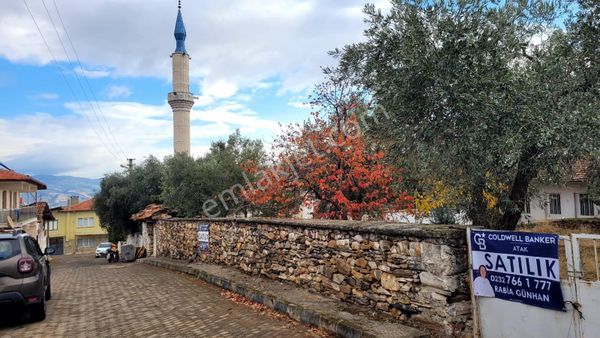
{"type": "Point", "coordinates": [102, 248]}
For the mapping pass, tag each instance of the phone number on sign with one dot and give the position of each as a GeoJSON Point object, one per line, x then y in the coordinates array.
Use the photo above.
{"type": "Point", "coordinates": [538, 284]}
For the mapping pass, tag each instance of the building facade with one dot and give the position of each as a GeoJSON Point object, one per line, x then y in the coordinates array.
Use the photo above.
{"type": "Point", "coordinates": [77, 229]}
{"type": "Point", "coordinates": [13, 213]}
{"type": "Point", "coordinates": [560, 202]}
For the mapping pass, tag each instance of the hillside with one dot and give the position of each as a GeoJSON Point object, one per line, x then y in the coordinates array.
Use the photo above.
{"type": "Point", "coordinates": [61, 187]}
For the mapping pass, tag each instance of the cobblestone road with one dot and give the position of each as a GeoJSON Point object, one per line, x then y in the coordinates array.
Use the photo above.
{"type": "Point", "coordinates": [91, 298]}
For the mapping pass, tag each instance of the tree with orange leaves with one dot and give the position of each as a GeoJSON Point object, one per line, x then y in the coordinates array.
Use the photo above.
{"type": "Point", "coordinates": [327, 165]}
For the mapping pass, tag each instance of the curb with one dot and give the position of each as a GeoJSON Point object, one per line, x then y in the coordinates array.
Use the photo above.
{"type": "Point", "coordinates": [336, 326]}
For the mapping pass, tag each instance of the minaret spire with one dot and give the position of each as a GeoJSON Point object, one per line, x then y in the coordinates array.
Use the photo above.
{"type": "Point", "coordinates": [180, 32]}
{"type": "Point", "coordinates": [181, 99]}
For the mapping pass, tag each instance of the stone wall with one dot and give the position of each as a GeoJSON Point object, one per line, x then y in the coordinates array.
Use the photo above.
{"type": "Point", "coordinates": [416, 273]}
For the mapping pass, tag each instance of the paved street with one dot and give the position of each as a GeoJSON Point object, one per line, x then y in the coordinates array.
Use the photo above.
{"type": "Point", "coordinates": [93, 298]}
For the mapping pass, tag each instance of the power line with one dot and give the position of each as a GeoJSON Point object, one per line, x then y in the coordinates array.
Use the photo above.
{"type": "Point", "coordinates": [67, 81]}
{"type": "Point", "coordinates": [113, 142]}
{"type": "Point", "coordinates": [86, 79]}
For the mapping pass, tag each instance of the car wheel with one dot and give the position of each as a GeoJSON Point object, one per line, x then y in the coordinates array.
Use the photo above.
{"type": "Point", "coordinates": [38, 311]}
{"type": "Point", "coordinates": [48, 292]}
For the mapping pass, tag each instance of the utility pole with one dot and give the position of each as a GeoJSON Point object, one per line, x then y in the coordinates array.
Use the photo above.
{"type": "Point", "coordinates": [129, 165]}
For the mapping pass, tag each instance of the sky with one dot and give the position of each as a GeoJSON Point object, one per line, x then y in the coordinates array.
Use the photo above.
{"type": "Point", "coordinates": [96, 94]}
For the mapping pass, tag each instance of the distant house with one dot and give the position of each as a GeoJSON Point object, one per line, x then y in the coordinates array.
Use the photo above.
{"type": "Point", "coordinates": [76, 229]}
{"type": "Point", "coordinates": [12, 212]}
{"type": "Point", "coordinates": [560, 202]}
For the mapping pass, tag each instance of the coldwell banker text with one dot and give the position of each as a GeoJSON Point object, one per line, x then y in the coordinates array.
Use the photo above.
{"type": "Point", "coordinates": [520, 267]}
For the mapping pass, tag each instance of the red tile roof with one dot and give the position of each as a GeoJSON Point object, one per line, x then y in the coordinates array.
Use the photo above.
{"type": "Point", "coordinates": [83, 206]}
{"type": "Point", "coordinates": [579, 171]}
{"type": "Point", "coordinates": [13, 176]}
{"type": "Point", "coordinates": [152, 211]}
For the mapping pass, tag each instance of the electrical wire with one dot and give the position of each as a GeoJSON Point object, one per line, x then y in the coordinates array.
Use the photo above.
{"type": "Point", "coordinates": [67, 81]}
{"type": "Point", "coordinates": [86, 79]}
{"type": "Point", "coordinates": [113, 143]}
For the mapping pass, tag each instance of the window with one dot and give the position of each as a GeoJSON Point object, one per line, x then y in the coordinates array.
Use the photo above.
{"type": "Point", "coordinates": [85, 222]}
{"type": "Point", "coordinates": [586, 206]}
{"type": "Point", "coordinates": [555, 204]}
{"type": "Point", "coordinates": [86, 242]}
{"type": "Point", "coordinates": [32, 248]}
{"type": "Point", "coordinates": [9, 248]}
{"type": "Point", "coordinates": [52, 225]}
{"type": "Point", "coordinates": [4, 200]}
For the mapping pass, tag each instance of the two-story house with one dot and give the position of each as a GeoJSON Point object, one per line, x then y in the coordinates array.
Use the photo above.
{"type": "Point", "coordinates": [76, 229]}
{"type": "Point", "coordinates": [13, 186]}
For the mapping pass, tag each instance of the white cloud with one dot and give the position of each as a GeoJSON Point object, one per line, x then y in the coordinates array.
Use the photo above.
{"type": "Point", "coordinates": [219, 88]}
{"type": "Point", "coordinates": [76, 144]}
{"type": "Point", "coordinates": [47, 96]}
{"type": "Point", "coordinates": [118, 92]}
{"type": "Point", "coordinates": [91, 73]}
{"type": "Point", "coordinates": [204, 100]}
{"type": "Point", "coordinates": [299, 104]}
{"type": "Point", "coordinates": [233, 44]}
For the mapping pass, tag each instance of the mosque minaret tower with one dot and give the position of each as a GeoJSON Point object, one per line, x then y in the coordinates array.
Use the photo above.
{"type": "Point", "coordinates": [180, 99]}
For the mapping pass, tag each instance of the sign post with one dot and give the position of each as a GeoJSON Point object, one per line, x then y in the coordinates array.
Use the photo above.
{"type": "Point", "coordinates": [476, 330]}
{"type": "Point", "coordinates": [516, 266]}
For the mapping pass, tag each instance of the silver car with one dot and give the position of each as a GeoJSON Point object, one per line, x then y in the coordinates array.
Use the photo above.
{"type": "Point", "coordinates": [102, 249]}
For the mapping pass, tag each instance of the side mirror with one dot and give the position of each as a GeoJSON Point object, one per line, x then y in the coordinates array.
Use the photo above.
{"type": "Point", "coordinates": [49, 251]}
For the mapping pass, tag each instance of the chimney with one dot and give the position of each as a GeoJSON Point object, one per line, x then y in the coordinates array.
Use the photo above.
{"type": "Point", "coordinates": [73, 200]}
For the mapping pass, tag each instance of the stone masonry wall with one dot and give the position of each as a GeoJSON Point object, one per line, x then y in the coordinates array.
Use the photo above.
{"type": "Point", "coordinates": [416, 273]}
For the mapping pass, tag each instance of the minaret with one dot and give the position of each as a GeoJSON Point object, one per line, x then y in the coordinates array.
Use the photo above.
{"type": "Point", "coordinates": [181, 100]}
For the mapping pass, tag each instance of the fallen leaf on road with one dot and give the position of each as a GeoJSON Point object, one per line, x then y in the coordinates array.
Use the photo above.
{"type": "Point", "coordinates": [264, 310]}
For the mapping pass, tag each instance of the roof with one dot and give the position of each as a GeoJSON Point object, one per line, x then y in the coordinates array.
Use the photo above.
{"type": "Point", "coordinates": [150, 212]}
{"type": "Point", "coordinates": [43, 211]}
{"type": "Point", "coordinates": [180, 34]}
{"type": "Point", "coordinates": [83, 206]}
{"type": "Point", "coordinates": [579, 171]}
{"type": "Point", "coordinates": [13, 176]}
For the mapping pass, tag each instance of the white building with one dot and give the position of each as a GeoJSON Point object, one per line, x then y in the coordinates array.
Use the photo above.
{"type": "Point", "coordinates": [560, 202]}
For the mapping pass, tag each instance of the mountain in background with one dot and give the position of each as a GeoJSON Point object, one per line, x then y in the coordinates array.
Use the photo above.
{"type": "Point", "coordinates": [60, 188]}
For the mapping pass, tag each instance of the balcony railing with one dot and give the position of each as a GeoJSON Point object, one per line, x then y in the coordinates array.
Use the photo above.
{"type": "Point", "coordinates": [18, 215]}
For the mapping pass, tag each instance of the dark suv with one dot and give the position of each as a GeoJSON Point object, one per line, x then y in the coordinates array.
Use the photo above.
{"type": "Point", "coordinates": [24, 274]}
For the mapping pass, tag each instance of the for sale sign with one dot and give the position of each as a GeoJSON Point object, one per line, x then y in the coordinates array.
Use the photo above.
{"type": "Point", "coordinates": [517, 266]}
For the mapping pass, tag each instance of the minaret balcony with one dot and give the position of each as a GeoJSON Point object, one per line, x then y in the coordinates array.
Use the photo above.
{"type": "Point", "coordinates": [175, 96]}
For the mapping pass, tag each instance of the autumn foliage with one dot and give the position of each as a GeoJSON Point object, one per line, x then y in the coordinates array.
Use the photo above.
{"type": "Point", "coordinates": [327, 165]}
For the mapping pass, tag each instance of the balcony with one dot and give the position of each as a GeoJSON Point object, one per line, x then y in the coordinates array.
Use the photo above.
{"type": "Point", "coordinates": [19, 215]}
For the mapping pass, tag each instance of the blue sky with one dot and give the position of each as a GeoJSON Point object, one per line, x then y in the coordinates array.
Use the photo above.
{"type": "Point", "coordinates": [253, 64]}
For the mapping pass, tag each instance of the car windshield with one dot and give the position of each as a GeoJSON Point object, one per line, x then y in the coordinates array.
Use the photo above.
{"type": "Point", "coordinates": [9, 248]}
{"type": "Point", "coordinates": [104, 245]}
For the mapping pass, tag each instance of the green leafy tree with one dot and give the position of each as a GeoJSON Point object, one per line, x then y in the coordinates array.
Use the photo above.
{"type": "Point", "coordinates": [216, 179]}
{"type": "Point", "coordinates": [486, 96]}
{"type": "Point", "coordinates": [123, 194]}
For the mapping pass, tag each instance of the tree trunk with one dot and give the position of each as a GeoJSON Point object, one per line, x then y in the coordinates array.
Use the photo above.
{"type": "Point", "coordinates": [518, 192]}
{"type": "Point", "coordinates": [478, 212]}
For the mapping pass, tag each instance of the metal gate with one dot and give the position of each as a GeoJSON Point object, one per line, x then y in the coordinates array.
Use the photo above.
{"type": "Point", "coordinates": [57, 243]}
{"type": "Point", "coordinates": [580, 283]}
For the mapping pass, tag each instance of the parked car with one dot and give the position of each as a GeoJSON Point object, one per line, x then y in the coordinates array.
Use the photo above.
{"type": "Point", "coordinates": [24, 274]}
{"type": "Point", "coordinates": [102, 249]}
